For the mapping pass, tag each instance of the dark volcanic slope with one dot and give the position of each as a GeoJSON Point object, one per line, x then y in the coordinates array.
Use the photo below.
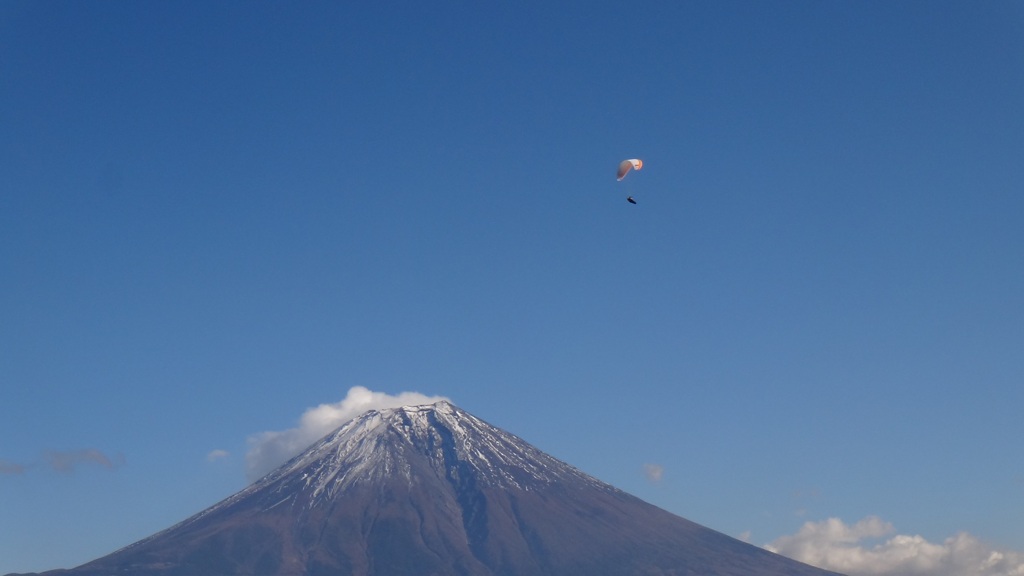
{"type": "Point", "coordinates": [433, 490]}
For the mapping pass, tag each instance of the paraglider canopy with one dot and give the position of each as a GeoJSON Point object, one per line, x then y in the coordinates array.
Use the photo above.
{"type": "Point", "coordinates": [625, 165]}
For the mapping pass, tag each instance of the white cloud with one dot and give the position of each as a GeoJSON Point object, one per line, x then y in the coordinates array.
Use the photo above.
{"type": "Point", "coordinates": [268, 450]}
{"type": "Point", "coordinates": [858, 550]}
{"type": "Point", "coordinates": [654, 472]}
{"type": "Point", "coordinates": [218, 454]}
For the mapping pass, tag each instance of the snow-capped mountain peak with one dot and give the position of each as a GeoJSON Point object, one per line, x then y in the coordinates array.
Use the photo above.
{"type": "Point", "coordinates": [392, 443]}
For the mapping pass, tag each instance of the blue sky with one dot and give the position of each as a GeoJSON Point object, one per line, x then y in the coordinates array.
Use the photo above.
{"type": "Point", "coordinates": [216, 216]}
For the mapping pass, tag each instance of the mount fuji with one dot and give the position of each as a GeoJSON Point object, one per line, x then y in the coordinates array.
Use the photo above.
{"type": "Point", "coordinates": [434, 490]}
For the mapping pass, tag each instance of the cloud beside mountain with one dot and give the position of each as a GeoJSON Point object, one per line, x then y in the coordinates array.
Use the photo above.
{"type": "Point", "coordinates": [268, 450]}
{"type": "Point", "coordinates": [871, 547]}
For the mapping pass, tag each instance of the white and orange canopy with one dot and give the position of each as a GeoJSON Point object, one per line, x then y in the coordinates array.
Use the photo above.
{"type": "Point", "coordinates": [625, 165]}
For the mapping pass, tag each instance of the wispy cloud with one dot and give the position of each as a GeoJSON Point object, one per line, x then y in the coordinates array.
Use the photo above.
{"type": "Point", "coordinates": [654, 472]}
{"type": "Point", "coordinates": [218, 454]}
{"type": "Point", "coordinates": [871, 547]}
{"type": "Point", "coordinates": [11, 468]}
{"type": "Point", "coordinates": [268, 450]}
{"type": "Point", "coordinates": [67, 461]}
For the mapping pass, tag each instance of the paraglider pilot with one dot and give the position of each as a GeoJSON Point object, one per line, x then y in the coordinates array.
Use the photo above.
{"type": "Point", "coordinates": [624, 167]}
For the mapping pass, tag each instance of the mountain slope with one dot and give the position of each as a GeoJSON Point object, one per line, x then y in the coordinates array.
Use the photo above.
{"type": "Point", "coordinates": [433, 490]}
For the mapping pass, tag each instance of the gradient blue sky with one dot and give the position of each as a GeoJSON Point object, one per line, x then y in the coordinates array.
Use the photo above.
{"type": "Point", "coordinates": [214, 216]}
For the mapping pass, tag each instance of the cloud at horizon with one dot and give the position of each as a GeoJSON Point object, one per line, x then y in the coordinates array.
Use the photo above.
{"type": "Point", "coordinates": [871, 547]}
{"type": "Point", "coordinates": [268, 450]}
